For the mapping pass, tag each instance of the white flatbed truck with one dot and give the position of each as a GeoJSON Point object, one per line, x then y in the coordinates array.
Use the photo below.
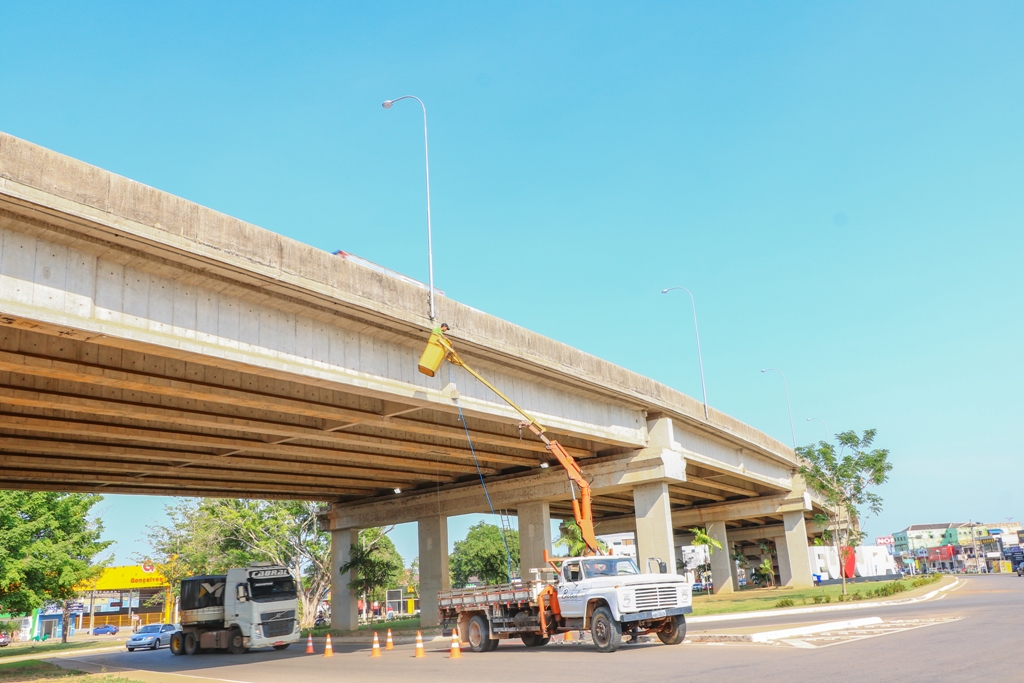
{"type": "Point", "coordinates": [606, 595]}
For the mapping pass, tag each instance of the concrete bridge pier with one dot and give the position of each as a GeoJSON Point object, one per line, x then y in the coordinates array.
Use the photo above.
{"type": "Point", "coordinates": [344, 600]}
{"type": "Point", "coordinates": [794, 567]}
{"type": "Point", "coordinates": [434, 573]}
{"type": "Point", "coordinates": [721, 563]}
{"type": "Point", "coordinates": [654, 534]}
{"type": "Point", "coordinates": [534, 536]}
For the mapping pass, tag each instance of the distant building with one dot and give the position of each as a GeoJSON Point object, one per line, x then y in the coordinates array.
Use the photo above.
{"type": "Point", "coordinates": [959, 546]}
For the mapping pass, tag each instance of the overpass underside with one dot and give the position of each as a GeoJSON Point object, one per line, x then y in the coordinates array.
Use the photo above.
{"type": "Point", "coordinates": [152, 346]}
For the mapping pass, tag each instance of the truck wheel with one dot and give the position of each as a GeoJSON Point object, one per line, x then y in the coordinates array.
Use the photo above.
{"type": "Point", "coordinates": [674, 630]}
{"type": "Point", "coordinates": [191, 643]}
{"type": "Point", "coordinates": [607, 632]}
{"type": "Point", "coordinates": [479, 634]}
{"type": "Point", "coordinates": [236, 643]}
{"type": "Point", "coordinates": [177, 642]}
{"type": "Point", "coordinates": [535, 640]}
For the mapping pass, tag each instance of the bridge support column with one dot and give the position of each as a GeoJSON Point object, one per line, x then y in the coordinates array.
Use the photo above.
{"type": "Point", "coordinates": [344, 601]}
{"type": "Point", "coordinates": [534, 536]}
{"type": "Point", "coordinates": [434, 574]}
{"type": "Point", "coordinates": [654, 536]}
{"type": "Point", "coordinates": [721, 564]}
{"type": "Point", "coordinates": [794, 561]}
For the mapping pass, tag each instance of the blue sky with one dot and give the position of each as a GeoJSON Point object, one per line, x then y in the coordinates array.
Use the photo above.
{"type": "Point", "coordinates": [840, 185]}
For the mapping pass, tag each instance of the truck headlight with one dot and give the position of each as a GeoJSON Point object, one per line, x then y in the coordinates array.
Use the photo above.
{"type": "Point", "coordinates": [258, 630]}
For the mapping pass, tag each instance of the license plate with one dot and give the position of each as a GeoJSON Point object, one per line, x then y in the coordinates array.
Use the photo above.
{"type": "Point", "coordinates": [658, 613]}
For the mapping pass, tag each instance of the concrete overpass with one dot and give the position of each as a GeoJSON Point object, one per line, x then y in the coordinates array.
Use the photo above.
{"type": "Point", "coordinates": [149, 345]}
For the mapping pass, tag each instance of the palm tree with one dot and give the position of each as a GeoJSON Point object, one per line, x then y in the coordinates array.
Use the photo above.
{"type": "Point", "coordinates": [571, 538]}
{"type": "Point", "coordinates": [701, 538]}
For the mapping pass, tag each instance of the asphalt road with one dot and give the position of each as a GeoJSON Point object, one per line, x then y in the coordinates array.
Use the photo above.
{"type": "Point", "coordinates": [985, 642]}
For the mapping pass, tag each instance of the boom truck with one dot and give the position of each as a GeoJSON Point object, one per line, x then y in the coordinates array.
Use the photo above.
{"type": "Point", "coordinates": [254, 606]}
{"type": "Point", "coordinates": [604, 594]}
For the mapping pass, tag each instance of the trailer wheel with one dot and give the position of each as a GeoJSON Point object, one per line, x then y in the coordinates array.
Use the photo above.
{"type": "Point", "coordinates": [478, 633]}
{"type": "Point", "coordinates": [607, 632]}
{"type": "Point", "coordinates": [191, 643]}
{"type": "Point", "coordinates": [236, 643]}
{"type": "Point", "coordinates": [534, 640]}
{"type": "Point", "coordinates": [177, 642]}
{"type": "Point", "coordinates": [674, 630]}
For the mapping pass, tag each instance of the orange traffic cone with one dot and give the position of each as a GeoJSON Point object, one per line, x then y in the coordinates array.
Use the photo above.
{"type": "Point", "coordinates": [420, 652]}
{"type": "Point", "coordinates": [567, 638]}
{"type": "Point", "coordinates": [456, 652]}
{"type": "Point", "coordinates": [389, 644]}
{"type": "Point", "coordinates": [309, 645]}
{"type": "Point", "coordinates": [376, 646]}
{"type": "Point", "coordinates": [328, 650]}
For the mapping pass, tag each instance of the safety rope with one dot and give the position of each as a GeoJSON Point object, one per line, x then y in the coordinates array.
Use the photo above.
{"type": "Point", "coordinates": [462, 418]}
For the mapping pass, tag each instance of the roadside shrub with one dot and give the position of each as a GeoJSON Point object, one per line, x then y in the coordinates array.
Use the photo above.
{"type": "Point", "coordinates": [856, 596]}
{"type": "Point", "coordinates": [785, 602]}
{"type": "Point", "coordinates": [925, 580]}
{"type": "Point", "coordinates": [828, 599]}
{"type": "Point", "coordinates": [842, 598]}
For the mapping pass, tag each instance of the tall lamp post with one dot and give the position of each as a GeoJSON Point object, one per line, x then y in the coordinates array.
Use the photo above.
{"type": "Point", "coordinates": [788, 406]}
{"type": "Point", "coordinates": [387, 104]}
{"type": "Point", "coordinates": [823, 424]}
{"type": "Point", "coordinates": [700, 359]}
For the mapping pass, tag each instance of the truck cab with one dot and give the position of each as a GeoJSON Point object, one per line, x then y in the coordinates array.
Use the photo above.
{"type": "Point", "coordinates": [254, 606]}
{"type": "Point", "coordinates": [608, 595]}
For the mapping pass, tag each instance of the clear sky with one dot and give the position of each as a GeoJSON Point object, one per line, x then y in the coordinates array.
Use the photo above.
{"type": "Point", "coordinates": [839, 184]}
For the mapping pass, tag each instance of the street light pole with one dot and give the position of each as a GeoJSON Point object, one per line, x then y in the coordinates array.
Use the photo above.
{"type": "Point", "coordinates": [700, 359]}
{"type": "Point", "coordinates": [822, 422]}
{"type": "Point", "coordinates": [387, 104]}
{"type": "Point", "coordinates": [788, 406]}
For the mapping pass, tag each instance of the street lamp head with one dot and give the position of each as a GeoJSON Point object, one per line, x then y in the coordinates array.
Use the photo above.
{"type": "Point", "coordinates": [664, 291]}
{"type": "Point", "coordinates": [765, 370]}
{"type": "Point", "coordinates": [387, 104]}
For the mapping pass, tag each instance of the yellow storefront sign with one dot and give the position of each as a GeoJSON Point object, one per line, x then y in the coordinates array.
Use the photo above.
{"type": "Point", "coordinates": [131, 577]}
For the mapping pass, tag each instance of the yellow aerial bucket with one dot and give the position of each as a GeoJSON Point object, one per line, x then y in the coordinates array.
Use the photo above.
{"type": "Point", "coordinates": [432, 356]}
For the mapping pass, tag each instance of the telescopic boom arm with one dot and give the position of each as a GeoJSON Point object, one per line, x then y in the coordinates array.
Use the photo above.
{"type": "Point", "coordinates": [440, 349]}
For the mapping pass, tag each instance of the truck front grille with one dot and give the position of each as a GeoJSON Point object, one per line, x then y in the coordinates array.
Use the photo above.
{"type": "Point", "coordinates": [278, 628]}
{"type": "Point", "coordinates": [656, 597]}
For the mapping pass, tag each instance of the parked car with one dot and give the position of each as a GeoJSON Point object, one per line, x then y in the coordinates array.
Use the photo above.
{"type": "Point", "coordinates": [5, 639]}
{"type": "Point", "coordinates": [105, 630]}
{"type": "Point", "coordinates": [152, 636]}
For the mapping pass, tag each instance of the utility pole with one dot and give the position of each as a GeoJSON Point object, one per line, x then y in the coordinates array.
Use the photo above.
{"type": "Point", "coordinates": [974, 541]}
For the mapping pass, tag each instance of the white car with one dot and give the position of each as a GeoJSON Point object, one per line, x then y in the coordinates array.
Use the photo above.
{"type": "Point", "coordinates": [151, 637]}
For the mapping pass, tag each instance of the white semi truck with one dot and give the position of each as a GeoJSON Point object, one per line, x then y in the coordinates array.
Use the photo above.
{"type": "Point", "coordinates": [606, 595]}
{"type": "Point", "coordinates": [255, 606]}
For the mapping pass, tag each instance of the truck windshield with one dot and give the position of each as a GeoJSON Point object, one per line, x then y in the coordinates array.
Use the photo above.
{"type": "Point", "coordinates": [268, 590]}
{"type": "Point", "coordinates": [609, 566]}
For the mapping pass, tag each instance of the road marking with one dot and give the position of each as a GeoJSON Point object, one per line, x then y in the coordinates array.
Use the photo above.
{"type": "Point", "coordinates": [125, 669]}
{"type": "Point", "coordinates": [849, 635]}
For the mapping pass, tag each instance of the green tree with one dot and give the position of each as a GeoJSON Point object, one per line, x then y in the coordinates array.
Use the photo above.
{"type": "Point", "coordinates": [482, 554]}
{"type": "Point", "coordinates": [843, 477]}
{"type": "Point", "coordinates": [702, 539]}
{"type": "Point", "coordinates": [48, 546]}
{"type": "Point", "coordinates": [211, 535]}
{"type": "Point", "coordinates": [571, 538]}
{"type": "Point", "coordinates": [377, 565]}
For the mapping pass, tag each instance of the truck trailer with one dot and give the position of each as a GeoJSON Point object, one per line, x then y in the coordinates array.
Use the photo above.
{"type": "Point", "coordinates": [254, 606]}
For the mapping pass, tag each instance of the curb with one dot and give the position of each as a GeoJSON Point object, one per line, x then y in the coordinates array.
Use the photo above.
{"type": "Point", "coordinates": [814, 610]}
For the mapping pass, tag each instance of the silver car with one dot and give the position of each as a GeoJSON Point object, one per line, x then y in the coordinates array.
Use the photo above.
{"type": "Point", "coordinates": [152, 636]}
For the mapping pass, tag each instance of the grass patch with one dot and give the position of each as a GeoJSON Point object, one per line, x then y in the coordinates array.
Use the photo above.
{"type": "Point", "coordinates": [32, 647]}
{"type": "Point", "coordinates": [755, 599]}
{"type": "Point", "coordinates": [32, 670]}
